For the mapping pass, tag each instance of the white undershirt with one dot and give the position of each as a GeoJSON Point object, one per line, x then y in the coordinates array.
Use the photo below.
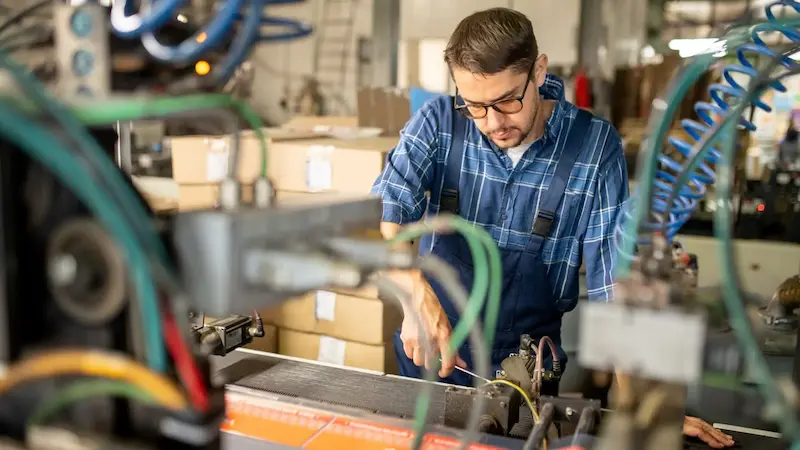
{"type": "Point", "coordinates": [515, 153]}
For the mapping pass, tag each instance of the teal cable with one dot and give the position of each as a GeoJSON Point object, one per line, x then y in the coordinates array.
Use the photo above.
{"type": "Point", "coordinates": [43, 147]}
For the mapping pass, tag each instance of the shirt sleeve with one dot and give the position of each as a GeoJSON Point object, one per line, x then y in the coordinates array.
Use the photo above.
{"type": "Point", "coordinates": [599, 250]}
{"type": "Point", "coordinates": [409, 170]}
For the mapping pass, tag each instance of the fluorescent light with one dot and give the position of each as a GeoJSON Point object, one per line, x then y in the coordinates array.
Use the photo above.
{"type": "Point", "coordinates": [687, 48]}
{"type": "Point", "coordinates": [182, 18]}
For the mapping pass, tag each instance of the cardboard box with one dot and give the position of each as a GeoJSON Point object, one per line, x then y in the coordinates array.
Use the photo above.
{"type": "Point", "coordinates": [312, 165]}
{"type": "Point", "coordinates": [268, 343]}
{"type": "Point", "coordinates": [365, 320]}
{"type": "Point", "coordinates": [337, 351]}
{"type": "Point", "coordinates": [386, 108]}
{"type": "Point", "coordinates": [328, 165]}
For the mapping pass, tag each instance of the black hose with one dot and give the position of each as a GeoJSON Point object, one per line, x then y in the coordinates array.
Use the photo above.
{"type": "Point", "coordinates": [539, 432]}
{"type": "Point", "coordinates": [585, 423]}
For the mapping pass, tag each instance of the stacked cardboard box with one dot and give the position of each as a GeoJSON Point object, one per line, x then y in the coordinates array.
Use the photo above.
{"type": "Point", "coordinates": [338, 328]}
{"type": "Point", "coordinates": [349, 328]}
{"type": "Point", "coordinates": [293, 165]}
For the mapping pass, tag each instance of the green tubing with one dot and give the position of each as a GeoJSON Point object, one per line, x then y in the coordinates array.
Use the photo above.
{"type": "Point", "coordinates": [42, 146]}
{"type": "Point", "coordinates": [85, 390]}
{"type": "Point", "coordinates": [103, 112]}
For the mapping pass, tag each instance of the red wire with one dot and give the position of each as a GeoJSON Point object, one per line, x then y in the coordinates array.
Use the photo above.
{"type": "Point", "coordinates": [185, 364]}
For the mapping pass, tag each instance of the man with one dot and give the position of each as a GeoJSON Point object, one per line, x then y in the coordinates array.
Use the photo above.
{"type": "Point", "coordinates": [545, 179]}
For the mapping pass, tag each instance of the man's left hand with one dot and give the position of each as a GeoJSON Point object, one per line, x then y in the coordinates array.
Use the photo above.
{"type": "Point", "coordinates": [692, 426]}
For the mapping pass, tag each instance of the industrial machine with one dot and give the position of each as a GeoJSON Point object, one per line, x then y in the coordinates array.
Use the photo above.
{"type": "Point", "coordinates": [103, 337]}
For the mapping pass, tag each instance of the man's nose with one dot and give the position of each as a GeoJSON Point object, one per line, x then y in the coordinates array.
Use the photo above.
{"type": "Point", "coordinates": [494, 119]}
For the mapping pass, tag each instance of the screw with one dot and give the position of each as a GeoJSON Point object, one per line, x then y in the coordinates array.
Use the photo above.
{"type": "Point", "coordinates": [63, 269]}
{"type": "Point", "coordinates": [502, 404]}
{"type": "Point", "coordinates": [570, 411]}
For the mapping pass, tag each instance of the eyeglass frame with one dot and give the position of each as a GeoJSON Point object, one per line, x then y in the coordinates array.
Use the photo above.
{"type": "Point", "coordinates": [519, 99]}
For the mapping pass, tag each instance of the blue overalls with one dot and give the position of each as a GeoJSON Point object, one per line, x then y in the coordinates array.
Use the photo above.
{"type": "Point", "coordinates": [527, 303]}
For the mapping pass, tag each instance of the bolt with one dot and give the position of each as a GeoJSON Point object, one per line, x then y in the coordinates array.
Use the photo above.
{"type": "Point", "coordinates": [570, 411]}
{"type": "Point", "coordinates": [63, 269]}
{"type": "Point", "coordinates": [82, 63]}
{"type": "Point", "coordinates": [503, 404]}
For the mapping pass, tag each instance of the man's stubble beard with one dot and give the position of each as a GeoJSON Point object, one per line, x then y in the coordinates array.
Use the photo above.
{"type": "Point", "coordinates": [524, 133]}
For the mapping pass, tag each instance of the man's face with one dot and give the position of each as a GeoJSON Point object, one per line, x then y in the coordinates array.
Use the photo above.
{"type": "Point", "coordinates": [502, 89]}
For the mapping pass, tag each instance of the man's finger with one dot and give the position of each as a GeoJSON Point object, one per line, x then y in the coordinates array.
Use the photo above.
{"type": "Point", "coordinates": [419, 357]}
{"type": "Point", "coordinates": [460, 362]}
{"type": "Point", "coordinates": [703, 432]}
{"type": "Point", "coordinates": [448, 362]}
{"type": "Point", "coordinates": [408, 349]}
{"type": "Point", "coordinates": [720, 436]}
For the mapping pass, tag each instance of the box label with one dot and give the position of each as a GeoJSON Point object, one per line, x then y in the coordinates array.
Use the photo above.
{"type": "Point", "coordinates": [217, 160]}
{"type": "Point", "coordinates": [319, 173]}
{"type": "Point", "coordinates": [325, 305]}
{"type": "Point", "coordinates": [331, 350]}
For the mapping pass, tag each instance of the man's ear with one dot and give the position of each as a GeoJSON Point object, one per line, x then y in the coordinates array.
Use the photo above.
{"type": "Point", "coordinates": [540, 70]}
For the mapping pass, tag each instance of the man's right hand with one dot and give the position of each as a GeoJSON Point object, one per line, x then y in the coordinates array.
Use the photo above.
{"type": "Point", "coordinates": [432, 317]}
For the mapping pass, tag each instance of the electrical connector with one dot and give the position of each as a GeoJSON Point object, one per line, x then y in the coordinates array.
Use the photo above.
{"type": "Point", "coordinates": [230, 194]}
{"type": "Point", "coordinates": [286, 271]}
{"type": "Point", "coordinates": [371, 253]}
{"type": "Point", "coordinates": [263, 193]}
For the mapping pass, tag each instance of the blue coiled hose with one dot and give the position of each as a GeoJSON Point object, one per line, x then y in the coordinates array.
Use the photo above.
{"type": "Point", "coordinates": [673, 200]}
{"type": "Point", "coordinates": [144, 25]}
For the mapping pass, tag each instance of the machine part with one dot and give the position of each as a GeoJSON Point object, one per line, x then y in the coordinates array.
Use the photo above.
{"type": "Point", "coordinates": [501, 412]}
{"type": "Point", "coordinates": [566, 409]}
{"type": "Point", "coordinates": [222, 336]}
{"type": "Point", "coordinates": [780, 313]}
{"type": "Point", "coordinates": [215, 248]}
{"type": "Point", "coordinates": [615, 336]}
{"type": "Point", "coordinates": [649, 415]}
{"type": "Point", "coordinates": [82, 49]}
{"type": "Point", "coordinates": [86, 272]}
{"type": "Point", "coordinates": [515, 370]}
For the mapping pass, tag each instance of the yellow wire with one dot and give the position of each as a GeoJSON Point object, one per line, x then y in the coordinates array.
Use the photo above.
{"type": "Point", "coordinates": [528, 401]}
{"type": "Point", "coordinates": [94, 364]}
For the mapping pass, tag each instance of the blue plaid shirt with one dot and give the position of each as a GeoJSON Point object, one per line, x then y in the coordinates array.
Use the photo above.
{"type": "Point", "coordinates": [583, 229]}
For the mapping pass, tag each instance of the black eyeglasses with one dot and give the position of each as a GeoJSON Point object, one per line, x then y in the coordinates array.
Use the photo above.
{"type": "Point", "coordinates": [506, 106]}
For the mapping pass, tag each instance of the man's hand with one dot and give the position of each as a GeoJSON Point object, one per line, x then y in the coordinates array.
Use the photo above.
{"type": "Point", "coordinates": [433, 318]}
{"type": "Point", "coordinates": [694, 427]}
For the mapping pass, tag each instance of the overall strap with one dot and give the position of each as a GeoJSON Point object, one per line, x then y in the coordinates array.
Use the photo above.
{"type": "Point", "coordinates": [448, 200]}
{"type": "Point", "coordinates": [570, 149]}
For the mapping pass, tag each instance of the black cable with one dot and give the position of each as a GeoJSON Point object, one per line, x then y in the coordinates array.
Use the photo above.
{"type": "Point", "coordinates": [585, 423]}
{"type": "Point", "coordinates": [539, 432]}
{"type": "Point", "coordinates": [23, 13]}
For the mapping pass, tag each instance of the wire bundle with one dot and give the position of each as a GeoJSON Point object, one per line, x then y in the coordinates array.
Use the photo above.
{"type": "Point", "coordinates": [145, 24]}
{"type": "Point", "coordinates": [667, 197]}
{"type": "Point", "coordinates": [84, 168]}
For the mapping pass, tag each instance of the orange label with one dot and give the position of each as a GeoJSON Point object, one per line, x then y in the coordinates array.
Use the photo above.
{"type": "Point", "coordinates": [344, 433]}
{"type": "Point", "coordinates": [276, 423]}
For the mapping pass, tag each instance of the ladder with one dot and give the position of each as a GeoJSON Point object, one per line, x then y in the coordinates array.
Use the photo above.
{"type": "Point", "coordinates": [333, 50]}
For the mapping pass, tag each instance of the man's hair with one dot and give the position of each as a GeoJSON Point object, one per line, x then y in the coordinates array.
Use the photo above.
{"type": "Point", "coordinates": [492, 41]}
